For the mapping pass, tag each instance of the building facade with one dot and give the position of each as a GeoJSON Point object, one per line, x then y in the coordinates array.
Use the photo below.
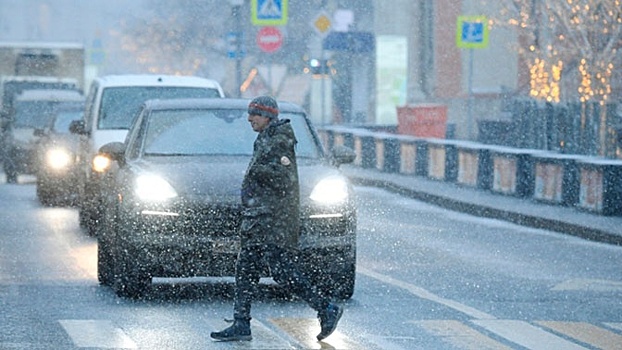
{"type": "Point", "coordinates": [471, 83]}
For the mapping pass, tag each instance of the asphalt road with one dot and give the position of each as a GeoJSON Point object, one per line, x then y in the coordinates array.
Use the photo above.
{"type": "Point", "coordinates": [428, 278]}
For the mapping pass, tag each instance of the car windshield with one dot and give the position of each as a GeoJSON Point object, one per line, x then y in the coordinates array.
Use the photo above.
{"type": "Point", "coordinates": [36, 114]}
{"type": "Point", "coordinates": [214, 132]}
{"type": "Point", "coordinates": [64, 118]}
{"type": "Point", "coordinates": [120, 104]}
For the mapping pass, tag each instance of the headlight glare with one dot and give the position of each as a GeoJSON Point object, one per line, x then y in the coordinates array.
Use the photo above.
{"type": "Point", "coordinates": [153, 188]}
{"type": "Point", "coordinates": [101, 163]}
{"type": "Point", "coordinates": [331, 190]}
{"type": "Point", "coordinates": [57, 158]}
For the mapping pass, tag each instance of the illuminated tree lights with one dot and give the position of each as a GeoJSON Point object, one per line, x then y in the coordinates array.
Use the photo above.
{"type": "Point", "coordinates": [545, 80]}
{"type": "Point", "coordinates": [571, 50]}
{"type": "Point", "coordinates": [579, 38]}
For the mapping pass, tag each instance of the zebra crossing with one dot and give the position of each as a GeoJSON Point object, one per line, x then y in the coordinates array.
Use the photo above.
{"type": "Point", "coordinates": [299, 333]}
{"type": "Point", "coordinates": [528, 335]}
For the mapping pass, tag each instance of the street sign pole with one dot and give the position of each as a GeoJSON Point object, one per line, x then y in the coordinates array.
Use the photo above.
{"type": "Point", "coordinates": [471, 33]}
{"type": "Point", "coordinates": [322, 25]}
{"type": "Point", "coordinates": [238, 49]}
{"type": "Point", "coordinates": [323, 87]}
{"type": "Point", "coordinates": [269, 40]}
{"type": "Point", "coordinates": [470, 95]}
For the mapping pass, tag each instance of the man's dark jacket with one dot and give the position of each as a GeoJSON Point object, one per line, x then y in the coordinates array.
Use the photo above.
{"type": "Point", "coordinates": [270, 190]}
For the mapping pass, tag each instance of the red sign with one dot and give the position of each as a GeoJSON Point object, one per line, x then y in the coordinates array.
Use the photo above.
{"type": "Point", "coordinates": [269, 39]}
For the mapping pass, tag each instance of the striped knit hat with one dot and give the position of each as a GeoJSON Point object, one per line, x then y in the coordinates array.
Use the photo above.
{"type": "Point", "coordinates": [265, 106]}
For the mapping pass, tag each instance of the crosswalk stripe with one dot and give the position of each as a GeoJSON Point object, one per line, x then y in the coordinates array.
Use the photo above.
{"type": "Point", "coordinates": [526, 335]}
{"type": "Point", "coordinates": [97, 334]}
{"type": "Point", "coordinates": [305, 330]}
{"type": "Point", "coordinates": [460, 335]}
{"type": "Point", "coordinates": [594, 285]}
{"type": "Point", "coordinates": [263, 338]}
{"type": "Point", "coordinates": [294, 333]}
{"type": "Point", "coordinates": [425, 294]}
{"type": "Point", "coordinates": [586, 333]}
{"type": "Point", "coordinates": [614, 325]}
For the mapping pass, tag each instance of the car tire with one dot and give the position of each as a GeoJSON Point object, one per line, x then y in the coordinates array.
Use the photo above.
{"type": "Point", "coordinates": [87, 221]}
{"type": "Point", "coordinates": [105, 254]}
{"type": "Point", "coordinates": [43, 194]}
{"type": "Point", "coordinates": [130, 280]}
{"type": "Point", "coordinates": [11, 173]}
{"type": "Point", "coordinates": [105, 273]}
{"type": "Point", "coordinates": [132, 285]}
{"type": "Point", "coordinates": [334, 275]}
{"type": "Point", "coordinates": [343, 282]}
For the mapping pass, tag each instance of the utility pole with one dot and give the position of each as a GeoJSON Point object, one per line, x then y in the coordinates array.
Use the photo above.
{"type": "Point", "coordinates": [236, 14]}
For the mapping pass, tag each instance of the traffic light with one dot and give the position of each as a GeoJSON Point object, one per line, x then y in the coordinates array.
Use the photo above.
{"type": "Point", "coordinates": [319, 67]}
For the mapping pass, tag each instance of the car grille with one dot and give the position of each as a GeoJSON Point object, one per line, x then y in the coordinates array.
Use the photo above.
{"type": "Point", "coordinates": [217, 221]}
{"type": "Point", "coordinates": [324, 227]}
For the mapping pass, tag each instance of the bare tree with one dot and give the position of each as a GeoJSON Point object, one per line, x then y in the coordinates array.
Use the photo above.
{"type": "Point", "coordinates": [571, 48]}
{"type": "Point", "coordinates": [180, 37]}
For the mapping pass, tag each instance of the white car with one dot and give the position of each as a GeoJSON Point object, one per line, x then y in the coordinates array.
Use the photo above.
{"type": "Point", "coordinates": [111, 106]}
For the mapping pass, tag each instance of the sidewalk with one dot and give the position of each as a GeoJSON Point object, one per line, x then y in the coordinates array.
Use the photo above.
{"type": "Point", "coordinates": [522, 211]}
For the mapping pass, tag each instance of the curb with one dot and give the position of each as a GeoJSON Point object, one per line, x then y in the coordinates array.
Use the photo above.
{"type": "Point", "coordinates": [585, 232]}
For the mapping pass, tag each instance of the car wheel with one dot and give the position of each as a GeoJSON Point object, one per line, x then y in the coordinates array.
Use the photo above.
{"type": "Point", "coordinates": [130, 280]}
{"type": "Point", "coordinates": [87, 221]}
{"type": "Point", "coordinates": [343, 282]}
{"type": "Point", "coordinates": [334, 273]}
{"type": "Point", "coordinates": [105, 254]}
{"type": "Point", "coordinates": [11, 173]}
{"type": "Point", "coordinates": [43, 194]}
{"type": "Point", "coordinates": [105, 273]}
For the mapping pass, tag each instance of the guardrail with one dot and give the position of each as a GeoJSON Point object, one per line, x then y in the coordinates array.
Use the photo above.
{"type": "Point", "coordinates": [588, 183]}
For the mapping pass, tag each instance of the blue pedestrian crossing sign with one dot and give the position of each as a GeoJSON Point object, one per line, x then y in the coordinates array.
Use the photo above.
{"type": "Point", "coordinates": [472, 32]}
{"type": "Point", "coordinates": [269, 12]}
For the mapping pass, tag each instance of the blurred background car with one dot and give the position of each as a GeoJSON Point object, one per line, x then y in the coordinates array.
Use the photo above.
{"type": "Point", "coordinates": [111, 105]}
{"type": "Point", "coordinates": [32, 110]}
{"type": "Point", "coordinates": [57, 150]}
{"type": "Point", "coordinates": [172, 204]}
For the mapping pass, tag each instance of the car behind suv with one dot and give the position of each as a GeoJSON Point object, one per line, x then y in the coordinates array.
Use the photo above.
{"type": "Point", "coordinates": [111, 105]}
{"type": "Point", "coordinates": [32, 110]}
{"type": "Point", "coordinates": [56, 158]}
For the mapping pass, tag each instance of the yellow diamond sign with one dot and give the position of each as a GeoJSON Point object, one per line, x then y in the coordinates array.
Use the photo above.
{"type": "Point", "coordinates": [321, 23]}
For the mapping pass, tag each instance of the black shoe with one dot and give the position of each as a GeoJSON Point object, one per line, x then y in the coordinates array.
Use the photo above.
{"type": "Point", "coordinates": [240, 330]}
{"type": "Point", "coordinates": [329, 319]}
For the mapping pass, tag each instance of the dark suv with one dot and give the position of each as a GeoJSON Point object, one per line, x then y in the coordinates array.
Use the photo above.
{"type": "Point", "coordinates": [172, 207]}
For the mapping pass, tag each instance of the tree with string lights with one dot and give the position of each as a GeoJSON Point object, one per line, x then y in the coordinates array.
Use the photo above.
{"type": "Point", "coordinates": [571, 50]}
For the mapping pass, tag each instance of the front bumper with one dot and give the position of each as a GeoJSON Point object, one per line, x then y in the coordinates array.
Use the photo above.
{"type": "Point", "coordinates": [23, 160]}
{"type": "Point", "coordinates": [64, 179]}
{"type": "Point", "coordinates": [206, 243]}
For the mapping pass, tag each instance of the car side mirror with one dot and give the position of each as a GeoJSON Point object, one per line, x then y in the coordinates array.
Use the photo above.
{"type": "Point", "coordinates": [77, 127]}
{"type": "Point", "coordinates": [342, 155]}
{"type": "Point", "coordinates": [114, 151]}
{"type": "Point", "coordinates": [39, 132]}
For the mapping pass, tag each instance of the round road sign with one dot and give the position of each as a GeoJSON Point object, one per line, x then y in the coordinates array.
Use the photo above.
{"type": "Point", "coordinates": [269, 39]}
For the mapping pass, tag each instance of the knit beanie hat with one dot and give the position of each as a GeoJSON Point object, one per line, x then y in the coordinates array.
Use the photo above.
{"type": "Point", "coordinates": [265, 106]}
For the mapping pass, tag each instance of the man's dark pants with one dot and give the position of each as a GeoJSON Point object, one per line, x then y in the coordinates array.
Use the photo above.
{"type": "Point", "coordinates": [284, 270]}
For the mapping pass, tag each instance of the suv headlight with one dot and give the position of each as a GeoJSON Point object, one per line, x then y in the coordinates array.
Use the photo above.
{"type": "Point", "coordinates": [57, 158]}
{"type": "Point", "coordinates": [331, 190]}
{"type": "Point", "coordinates": [153, 188]}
